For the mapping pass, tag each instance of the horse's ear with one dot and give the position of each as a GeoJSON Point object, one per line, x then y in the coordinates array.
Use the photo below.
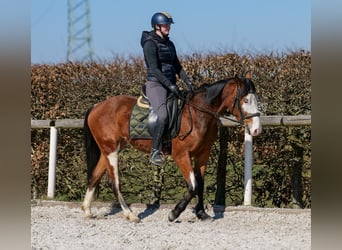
{"type": "Point", "coordinates": [248, 75]}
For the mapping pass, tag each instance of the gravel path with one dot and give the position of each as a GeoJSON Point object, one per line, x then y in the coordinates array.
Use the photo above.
{"type": "Point", "coordinates": [58, 225]}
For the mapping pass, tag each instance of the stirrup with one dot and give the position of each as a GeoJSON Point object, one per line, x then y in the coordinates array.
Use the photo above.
{"type": "Point", "coordinates": [157, 158]}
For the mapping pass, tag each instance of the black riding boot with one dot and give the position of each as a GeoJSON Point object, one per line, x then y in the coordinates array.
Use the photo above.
{"type": "Point", "coordinates": [157, 156]}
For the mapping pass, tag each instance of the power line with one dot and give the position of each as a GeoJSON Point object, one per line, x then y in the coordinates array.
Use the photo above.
{"type": "Point", "coordinates": [43, 14]}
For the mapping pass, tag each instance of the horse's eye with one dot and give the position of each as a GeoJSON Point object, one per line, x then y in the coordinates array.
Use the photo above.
{"type": "Point", "coordinates": [246, 100]}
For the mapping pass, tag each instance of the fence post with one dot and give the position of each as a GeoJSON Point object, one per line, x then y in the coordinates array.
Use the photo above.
{"type": "Point", "coordinates": [52, 162]}
{"type": "Point", "coordinates": [248, 168]}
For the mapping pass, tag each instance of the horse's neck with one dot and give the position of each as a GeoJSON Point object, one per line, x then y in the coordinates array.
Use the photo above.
{"type": "Point", "coordinates": [198, 102]}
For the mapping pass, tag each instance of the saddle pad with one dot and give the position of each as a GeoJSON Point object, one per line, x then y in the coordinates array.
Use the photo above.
{"type": "Point", "coordinates": [138, 126]}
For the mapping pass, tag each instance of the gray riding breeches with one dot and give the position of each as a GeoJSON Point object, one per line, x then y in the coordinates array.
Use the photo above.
{"type": "Point", "coordinates": [157, 95]}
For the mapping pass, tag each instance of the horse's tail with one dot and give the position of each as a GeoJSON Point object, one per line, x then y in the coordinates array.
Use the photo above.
{"type": "Point", "coordinates": [92, 149]}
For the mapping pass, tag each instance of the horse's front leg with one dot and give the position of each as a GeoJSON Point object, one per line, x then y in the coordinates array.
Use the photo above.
{"type": "Point", "coordinates": [184, 164]}
{"type": "Point", "coordinates": [199, 169]}
{"type": "Point", "coordinates": [180, 207]}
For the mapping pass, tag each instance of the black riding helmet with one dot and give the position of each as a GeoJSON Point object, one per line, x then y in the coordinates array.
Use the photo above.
{"type": "Point", "coordinates": [161, 18]}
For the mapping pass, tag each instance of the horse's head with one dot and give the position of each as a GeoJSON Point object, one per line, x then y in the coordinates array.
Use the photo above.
{"type": "Point", "coordinates": [239, 98]}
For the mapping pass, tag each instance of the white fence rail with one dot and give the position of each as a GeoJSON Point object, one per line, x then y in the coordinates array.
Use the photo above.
{"type": "Point", "coordinates": [299, 120]}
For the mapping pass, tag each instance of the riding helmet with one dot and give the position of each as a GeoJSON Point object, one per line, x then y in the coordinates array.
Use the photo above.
{"type": "Point", "coordinates": [161, 18]}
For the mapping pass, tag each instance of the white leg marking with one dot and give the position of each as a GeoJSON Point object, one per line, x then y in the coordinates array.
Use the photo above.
{"type": "Point", "coordinates": [113, 159]}
{"type": "Point", "coordinates": [87, 202]}
{"type": "Point", "coordinates": [192, 180]}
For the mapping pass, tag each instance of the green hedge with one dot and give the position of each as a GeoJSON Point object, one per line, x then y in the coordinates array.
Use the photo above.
{"type": "Point", "coordinates": [282, 155]}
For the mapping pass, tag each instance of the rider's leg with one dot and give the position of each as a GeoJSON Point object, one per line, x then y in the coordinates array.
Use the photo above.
{"type": "Point", "coordinates": [157, 95]}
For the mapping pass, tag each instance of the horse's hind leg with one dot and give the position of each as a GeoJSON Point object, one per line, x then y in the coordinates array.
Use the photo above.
{"type": "Point", "coordinates": [93, 182]}
{"type": "Point", "coordinates": [113, 174]}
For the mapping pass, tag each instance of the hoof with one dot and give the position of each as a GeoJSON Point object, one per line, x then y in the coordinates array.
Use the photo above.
{"type": "Point", "coordinates": [135, 219]}
{"type": "Point", "coordinates": [203, 216]}
{"type": "Point", "coordinates": [132, 217]}
{"type": "Point", "coordinates": [87, 213]}
{"type": "Point", "coordinates": [172, 216]}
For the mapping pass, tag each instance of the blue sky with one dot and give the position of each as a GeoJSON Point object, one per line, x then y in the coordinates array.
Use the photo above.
{"type": "Point", "coordinates": [201, 26]}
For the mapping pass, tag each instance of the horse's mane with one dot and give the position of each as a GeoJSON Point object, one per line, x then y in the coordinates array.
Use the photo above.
{"type": "Point", "coordinates": [214, 89]}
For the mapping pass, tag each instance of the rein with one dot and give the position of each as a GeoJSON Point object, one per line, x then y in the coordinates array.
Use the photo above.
{"type": "Point", "coordinates": [216, 115]}
{"type": "Point", "coordinates": [240, 123]}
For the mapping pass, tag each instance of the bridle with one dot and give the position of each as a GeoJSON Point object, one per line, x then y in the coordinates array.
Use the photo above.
{"type": "Point", "coordinates": [236, 101]}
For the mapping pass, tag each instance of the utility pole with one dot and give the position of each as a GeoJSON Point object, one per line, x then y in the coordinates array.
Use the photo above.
{"type": "Point", "coordinates": [79, 31]}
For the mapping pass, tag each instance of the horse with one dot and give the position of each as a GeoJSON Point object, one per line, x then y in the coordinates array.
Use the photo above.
{"type": "Point", "coordinates": [106, 130]}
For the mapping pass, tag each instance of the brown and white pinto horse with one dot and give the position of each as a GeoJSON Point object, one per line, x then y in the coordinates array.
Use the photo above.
{"type": "Point", "coordinates": [106, 130]}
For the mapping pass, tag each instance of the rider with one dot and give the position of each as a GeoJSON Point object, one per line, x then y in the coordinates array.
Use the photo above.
{"type": "Point", "coordinates": [162, 66]}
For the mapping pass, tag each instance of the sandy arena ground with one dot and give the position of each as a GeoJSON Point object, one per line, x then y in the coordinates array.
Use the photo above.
{"type": "Point", "coordinates": [60, 225]}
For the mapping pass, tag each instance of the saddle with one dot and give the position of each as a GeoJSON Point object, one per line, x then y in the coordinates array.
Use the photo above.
{"type": "Point", "coordinates": [141, 120]}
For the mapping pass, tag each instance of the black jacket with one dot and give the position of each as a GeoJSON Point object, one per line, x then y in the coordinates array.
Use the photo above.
{"type": "Point", "coordinates": [161, 59]}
